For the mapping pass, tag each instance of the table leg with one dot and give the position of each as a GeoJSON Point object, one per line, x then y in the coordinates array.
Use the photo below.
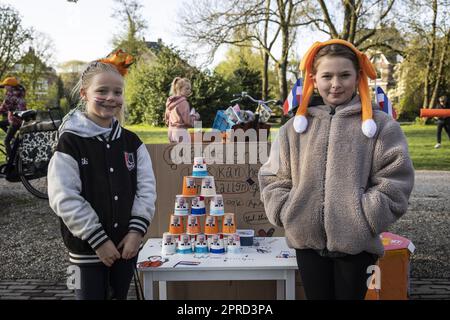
{"type": "Point", "coordinates": [280, 290]}
{"type": "Point", "coordinates": [148, 285]}
{"type": "Point", "coordinates": [162, 290]}
{"type": "Point", "coordinates": [290, 285]}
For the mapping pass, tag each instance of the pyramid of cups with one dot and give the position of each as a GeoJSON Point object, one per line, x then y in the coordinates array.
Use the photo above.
{"type": "Point", "coordinates": [199, 212]}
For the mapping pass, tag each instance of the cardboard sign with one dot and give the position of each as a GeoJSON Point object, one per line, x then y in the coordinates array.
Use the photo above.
{"type": "Point", "coordinates": [237, 183]}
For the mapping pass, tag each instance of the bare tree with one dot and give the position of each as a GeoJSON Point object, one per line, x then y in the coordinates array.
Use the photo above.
{"type": "Point", "coordinates": [12, 37]}
{"type": "Point", "coordinates": [128, 13]}
{"type": "Point", "coordinates": [215, 23]}
{"type": "Point", "coordinates": [431, 55]}
{"type": "Point", "coordinates": [361, 21]}
{"type": "Point", "coordinates": [265, 39]}
{"type": "Point", "coordinates": [429, 20]}
{"type": "Point", "coordinates": [440, 69]}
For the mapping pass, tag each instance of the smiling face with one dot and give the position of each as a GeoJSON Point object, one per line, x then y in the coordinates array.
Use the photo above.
{"type": "Point", "coordinates": [336, 80]}
{"type": "Point", "coordinates": [103, 97]}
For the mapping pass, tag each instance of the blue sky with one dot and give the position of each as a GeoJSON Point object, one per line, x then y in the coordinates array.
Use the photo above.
{"type": "Point", "coordinates": [83, 31]}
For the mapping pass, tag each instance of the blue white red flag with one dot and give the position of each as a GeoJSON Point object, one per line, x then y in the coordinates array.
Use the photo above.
{"type": "Point", "coordinates": [384, 103]}
{"type": "Point", "coordinates": [294, 98]}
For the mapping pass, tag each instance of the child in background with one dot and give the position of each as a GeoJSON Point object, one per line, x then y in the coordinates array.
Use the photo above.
{"type": "Point", "coordinates": [338, 174]}
{"type": "Point", "coordinates": [101, 184]}
{"type": "Point", "coordinates": [178, 116]}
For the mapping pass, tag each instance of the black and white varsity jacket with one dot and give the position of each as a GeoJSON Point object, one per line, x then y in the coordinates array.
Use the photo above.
{"type": "Point", "coordinates": [100, 184]}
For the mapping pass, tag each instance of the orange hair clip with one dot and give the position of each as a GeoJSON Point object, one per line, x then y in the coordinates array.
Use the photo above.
{"type": "Point", "coordinates": [119, 59]}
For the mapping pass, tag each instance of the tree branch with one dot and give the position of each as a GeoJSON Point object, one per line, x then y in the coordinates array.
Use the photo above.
{"type": "Point", "coordinates": [328, 22]}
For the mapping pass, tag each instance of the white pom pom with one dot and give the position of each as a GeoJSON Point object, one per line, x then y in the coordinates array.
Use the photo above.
{"type": "Point", "coordinates": [300, 124]}
{"type": "Point", "coordinates": [369, 128]}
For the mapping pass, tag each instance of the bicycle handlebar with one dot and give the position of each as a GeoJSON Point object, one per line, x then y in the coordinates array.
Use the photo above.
{"type": "Point", "coordinates": [244, 94]}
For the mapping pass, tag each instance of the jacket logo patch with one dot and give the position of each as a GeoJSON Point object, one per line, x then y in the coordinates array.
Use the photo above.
{"type": "Point", "coordinates": [129, 161]}
{"type": "Point", "coordinates": [84, 161]}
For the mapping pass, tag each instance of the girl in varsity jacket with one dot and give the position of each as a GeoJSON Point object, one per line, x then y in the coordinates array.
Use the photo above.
{"type": "Point", "coordinates": [101, 184]}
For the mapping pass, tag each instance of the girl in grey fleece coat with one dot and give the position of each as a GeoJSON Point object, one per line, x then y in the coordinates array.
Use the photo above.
{"type": "Point", "coordinates": [332, 186]}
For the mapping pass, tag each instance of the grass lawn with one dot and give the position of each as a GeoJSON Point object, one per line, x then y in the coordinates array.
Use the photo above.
{"type": "Point", "coordinates": [421, 140]}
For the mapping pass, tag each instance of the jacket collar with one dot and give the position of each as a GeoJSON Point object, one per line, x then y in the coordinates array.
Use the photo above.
{"type": "Point", "coordinates": [114, 134]}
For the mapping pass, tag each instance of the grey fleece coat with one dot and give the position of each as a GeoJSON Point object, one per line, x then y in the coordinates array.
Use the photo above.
{"type": "Point", "coordinates": [333, 188]}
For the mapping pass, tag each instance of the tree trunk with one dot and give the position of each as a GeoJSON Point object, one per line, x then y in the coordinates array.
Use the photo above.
{"type": "Point", "coordinates": [439, 75]}
{"type": "Point", "coordinates": [265, 78]}
{"type": "Point", "coordinates": [282, 75]}
{"type": "Point", "coordinates": [283, 62]}
{"type": "Point", "coordinates": [431, 52]}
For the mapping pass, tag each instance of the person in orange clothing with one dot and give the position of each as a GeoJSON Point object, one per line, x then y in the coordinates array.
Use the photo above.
{"type": "Point", "coordinates": [14, 101]}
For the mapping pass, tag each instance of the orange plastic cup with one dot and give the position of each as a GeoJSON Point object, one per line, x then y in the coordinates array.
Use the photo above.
{"type": "Point", "coordinates": [228, 223]}
{"type": "Point", "coordinates": [211, 225]}
{"type": "Point", "coordinates": [189, 187]}
{"type": "Point", "coordinates": [176, 224]}
{"type": "Point", "coordinates": [193, 226]}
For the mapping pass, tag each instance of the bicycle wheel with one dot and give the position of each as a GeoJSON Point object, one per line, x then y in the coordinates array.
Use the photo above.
{"type": "Point", "coordinates": [35, 181]}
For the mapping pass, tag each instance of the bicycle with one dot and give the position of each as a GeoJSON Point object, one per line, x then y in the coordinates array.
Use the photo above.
{"type": "Point", "coordinates": [234, 118]}
{"type": "Point", "coordinates": [32, 148]}
{"type": "Point", "coordinates": [263, 111]}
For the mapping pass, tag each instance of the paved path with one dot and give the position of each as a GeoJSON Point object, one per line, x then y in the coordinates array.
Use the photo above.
{"type": "Point", "coordinates": [421, 289]}
{"type": "Point", "coordinates": [27, 289]}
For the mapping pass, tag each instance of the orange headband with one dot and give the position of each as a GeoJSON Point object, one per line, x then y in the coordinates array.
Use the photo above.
{"type": "Point", "coordinates": [367, 70]}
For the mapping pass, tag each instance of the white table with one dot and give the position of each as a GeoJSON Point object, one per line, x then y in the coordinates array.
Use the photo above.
{"type": "Point", "coordinates": [267, 259]}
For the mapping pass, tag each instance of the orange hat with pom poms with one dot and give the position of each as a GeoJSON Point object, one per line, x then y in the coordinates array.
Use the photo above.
{"type": "Point", "coordinates": [368, 126]}
{"type": "Point", "coordinates": [119, 59]}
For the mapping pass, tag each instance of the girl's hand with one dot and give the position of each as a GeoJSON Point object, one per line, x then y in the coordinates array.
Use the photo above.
{"type": "Point", "coordinates": [108, 253]}
{"type": "Point", "coordinates": [130, 244]}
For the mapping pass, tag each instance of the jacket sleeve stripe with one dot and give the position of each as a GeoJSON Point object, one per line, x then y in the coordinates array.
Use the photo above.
{"type": "Point", "coordinates": [139, 220]}
{"type": "Point", "coordinates": [95, 245]}
{"type": "Point", "coordinates": [140, 229]}
{"type": "Point", "coordinates": [95, 234]}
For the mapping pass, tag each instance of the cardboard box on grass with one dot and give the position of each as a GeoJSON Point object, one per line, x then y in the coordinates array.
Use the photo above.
{"type": "Point", "coordinates": [394, 267]}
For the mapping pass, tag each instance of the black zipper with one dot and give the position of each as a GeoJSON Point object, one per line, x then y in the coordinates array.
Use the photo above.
{"type": "Point", "coordinates": [332, 113]}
